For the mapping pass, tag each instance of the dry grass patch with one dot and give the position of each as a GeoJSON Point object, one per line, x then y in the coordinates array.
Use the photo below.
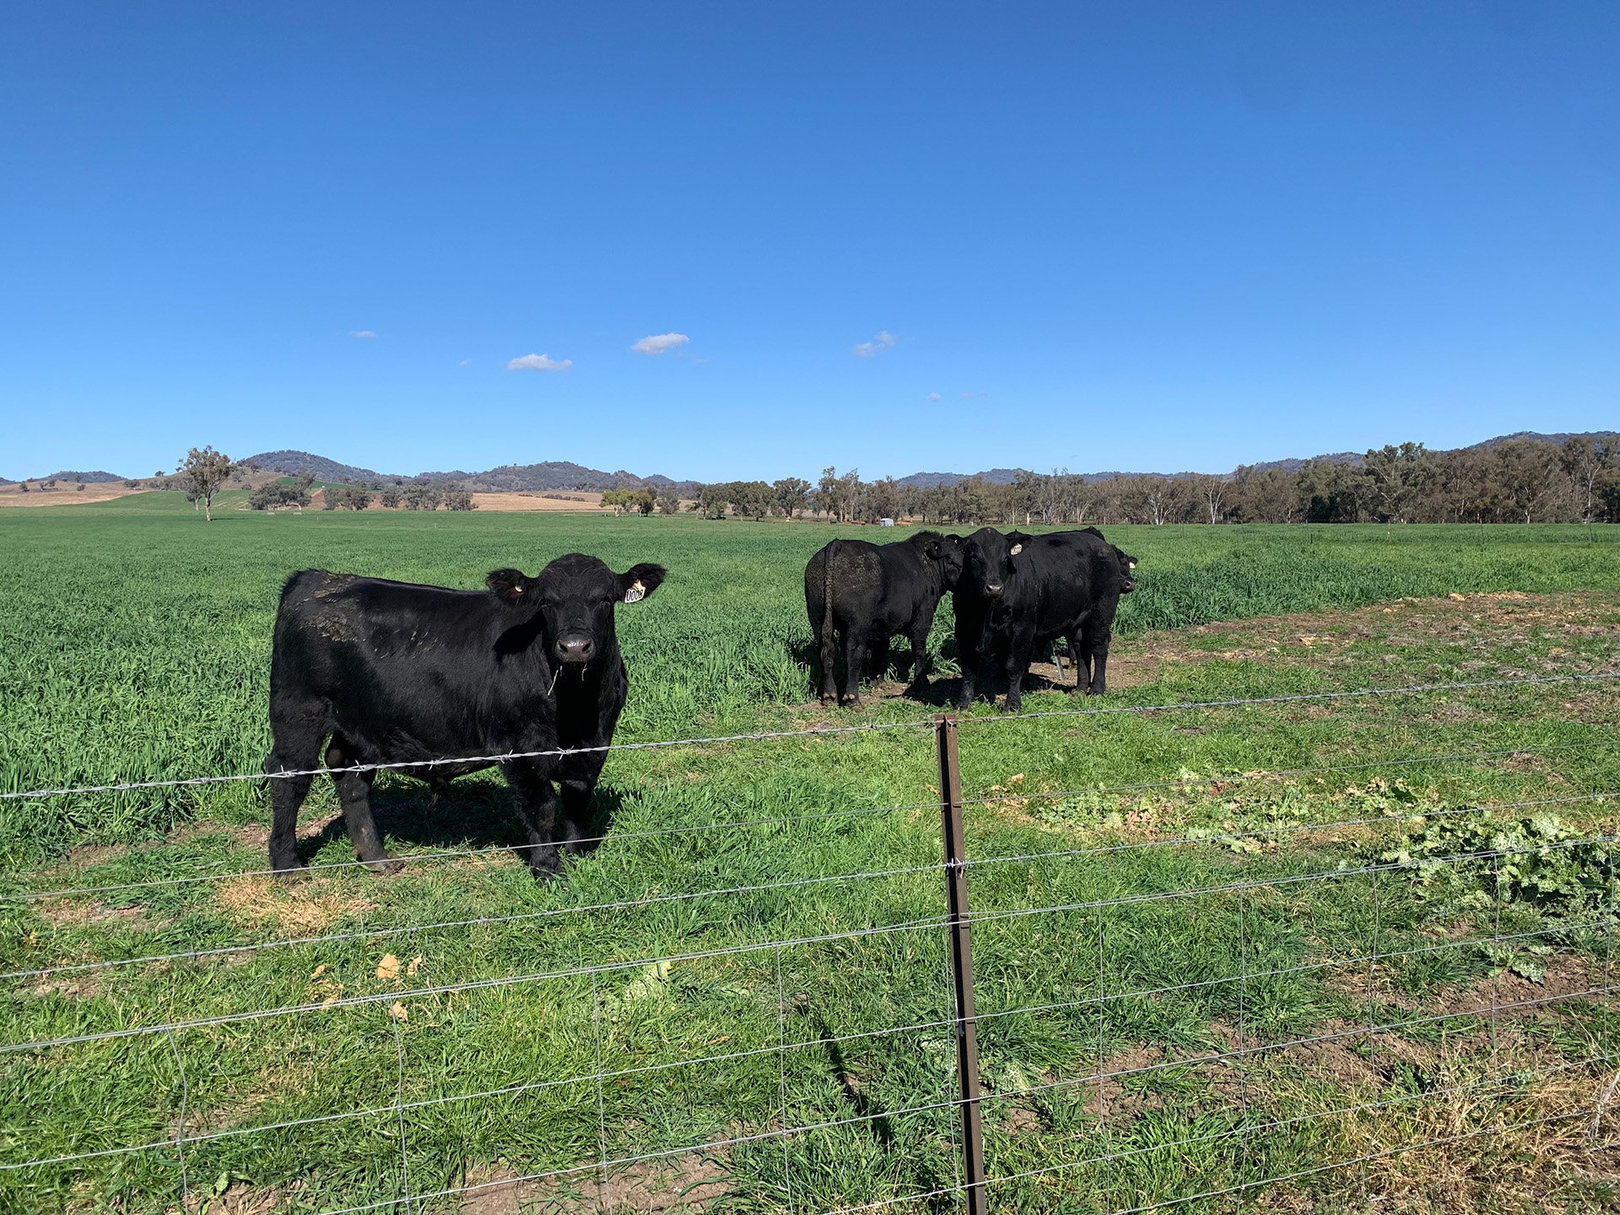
{"type": "Point", "coordinates": [685, 1182]}
{"type": "Point", "coordinates": [302, 907]}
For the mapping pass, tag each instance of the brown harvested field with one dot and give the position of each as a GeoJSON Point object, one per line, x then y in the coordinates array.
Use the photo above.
{"type": "Point", "coordinates": [66, 493]}
{"type": "Point", "coordinates": [548, 500]}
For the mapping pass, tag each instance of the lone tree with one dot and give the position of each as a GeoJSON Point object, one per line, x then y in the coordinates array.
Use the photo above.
{"type": "Point", "coordinates": [207, 470]}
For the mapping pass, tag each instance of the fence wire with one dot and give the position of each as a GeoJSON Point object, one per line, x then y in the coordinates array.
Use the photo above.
{"type": "Point", "coordinates": [412, 858]}
{"type": "Point", "coordinates": [190, 1132]}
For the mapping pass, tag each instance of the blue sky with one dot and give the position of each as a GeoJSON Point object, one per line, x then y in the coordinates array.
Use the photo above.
{"type": "Point", "coordinates": [1117, 236]}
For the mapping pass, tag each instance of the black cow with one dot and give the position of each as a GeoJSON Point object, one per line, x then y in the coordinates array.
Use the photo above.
{"type": "Point", "coordinates": [1019, 592]}
{"type": "Point", "coordinates": [389, 672]}
{"type": "Point", "coordinates": [865, 593]}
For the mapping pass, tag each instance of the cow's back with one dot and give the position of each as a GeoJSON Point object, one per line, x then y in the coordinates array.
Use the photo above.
{"type": "Point", "coordinates": [400, 667]}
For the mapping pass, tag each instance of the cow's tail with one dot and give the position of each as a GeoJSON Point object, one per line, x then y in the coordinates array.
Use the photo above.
{"type": "Point", "coordinates": [824, 631]}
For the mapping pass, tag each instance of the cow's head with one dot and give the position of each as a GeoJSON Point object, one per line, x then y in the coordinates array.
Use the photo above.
{"type": "Point", "coordinates": [944, 552]}
{"type": "Point", "coordinates": [572, 601]}
{"type": "Point", "coordinates": [987, 561]}
{"type": "Point", "coordinates": [1127, 570]}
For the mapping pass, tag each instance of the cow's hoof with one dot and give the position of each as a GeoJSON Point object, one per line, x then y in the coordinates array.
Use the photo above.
{"type": "Point", "coordinates": [1012, 706]}
{"type": "Point", "coordinates": [293, 872]}
{"type": "Point", "coordinates": [383, 865]}
{"type": "Point", "coordinates": [1094, 691]}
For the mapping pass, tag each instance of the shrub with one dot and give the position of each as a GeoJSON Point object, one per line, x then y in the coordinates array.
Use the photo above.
{"type": "Point", "coordinates": [456, 498]}
{"type": "Point", "coordinates": [422, 496]}
{"type": "Point", "coordinates": [276, 496]}
{"type": "Point", "coordinates": [390, 498]}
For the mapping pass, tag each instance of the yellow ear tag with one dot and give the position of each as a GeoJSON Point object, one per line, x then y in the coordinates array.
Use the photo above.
{"type": "Point", "coordinates": [636, 593]}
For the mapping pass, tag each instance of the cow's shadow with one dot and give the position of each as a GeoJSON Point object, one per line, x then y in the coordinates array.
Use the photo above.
{"type": "Point", "coordinates": [467, 815]}
{"type": "Point", "coordinates": [894, 666]}
{"type": "Point", "coordinates": [943, 686]}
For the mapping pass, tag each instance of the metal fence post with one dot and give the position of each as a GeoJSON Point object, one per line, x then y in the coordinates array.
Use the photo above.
{"type": "Point", "coordinates": [961, 945]}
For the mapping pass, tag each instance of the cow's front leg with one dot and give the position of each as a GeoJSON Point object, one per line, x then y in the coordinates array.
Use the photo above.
{"type": "Point", "coordinates": [537, 807]}
{"type": "Point", "coordinates": [919, 656]}
{"type": "Point", "coordinates": [1018, 657]}
{"type": "Point", "coordinates": [967, 655]}
{"type": "Point", "coordinates": [576, 824]}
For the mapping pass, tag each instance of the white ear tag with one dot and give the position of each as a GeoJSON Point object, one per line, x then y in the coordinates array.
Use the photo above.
{"type": "Point", "coordinates": [636, 593]}
{"type": "Point", "coordinates": [1016, 549]}
{"type": "Point", "coordinates": [1133, 565]}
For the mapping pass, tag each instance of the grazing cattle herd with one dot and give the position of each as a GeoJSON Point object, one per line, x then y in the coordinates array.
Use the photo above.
{"type": "Point", "coordinates": [366, 673]}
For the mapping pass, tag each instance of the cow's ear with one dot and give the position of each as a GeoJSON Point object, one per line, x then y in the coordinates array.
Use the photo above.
{"type": "Point", "coordinates": [1017, 540]}
{"type": "Point", "coordinates": [509, 586]}
{"type": "Point", "coordinates": [639, 581]}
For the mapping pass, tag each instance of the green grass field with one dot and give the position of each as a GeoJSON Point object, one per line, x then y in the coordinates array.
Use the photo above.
{"type": "Point", "coordinates": [134, 646]}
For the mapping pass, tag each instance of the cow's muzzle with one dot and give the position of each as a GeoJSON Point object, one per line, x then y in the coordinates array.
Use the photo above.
{"type": "Point", "coordinates": [575, 649]}
{"type": "Point", "coordinates": [1127, 585]}
{"type": "Point", "coordinates": [994, 589]}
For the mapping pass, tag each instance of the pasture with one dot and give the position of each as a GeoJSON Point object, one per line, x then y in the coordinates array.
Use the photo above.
{"type": "Point", "coordinates": [134, 646]}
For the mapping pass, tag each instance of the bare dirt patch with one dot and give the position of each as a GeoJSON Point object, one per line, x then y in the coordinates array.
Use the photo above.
{"type": "Point", "coordinates": [1489, 623]}
{"type": "Point", "coordinates": [687, 1182]}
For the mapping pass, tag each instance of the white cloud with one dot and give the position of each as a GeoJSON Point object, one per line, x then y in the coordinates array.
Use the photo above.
{"type": "Point", "coordinates": [934, 396]}
{"type": "Point", "coordinates": [463, 362]}
{"type": "Point", "coordinates": [870, 350]}
{"type": "Point", "coordinates": [660, 343]}
{"type": "Point", "coordinates": [361, 333]}
{"type": "Point", "coordinates": [968, 396]}
{"type": "Point", "coordinates": [539, 362]}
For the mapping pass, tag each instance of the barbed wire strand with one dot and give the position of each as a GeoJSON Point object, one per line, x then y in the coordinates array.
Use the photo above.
{"type": "Point", "coordinates": [652, 900]}
{"type": "Point", "coordinates": [412, 858]}
{"type": "Point", "coordinates": [475, 922]}
{"type": "Point", "coordinates": [469, 985]}
{"type": "Point", "coordinates": [814, 731]}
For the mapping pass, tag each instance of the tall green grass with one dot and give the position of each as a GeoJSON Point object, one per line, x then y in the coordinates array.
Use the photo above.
{"type": "Point", "coordinates": [134, 645]}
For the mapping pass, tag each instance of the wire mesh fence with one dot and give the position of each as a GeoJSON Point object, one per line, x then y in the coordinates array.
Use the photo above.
{"type": "Point", "coordinates": [1152, 1019]}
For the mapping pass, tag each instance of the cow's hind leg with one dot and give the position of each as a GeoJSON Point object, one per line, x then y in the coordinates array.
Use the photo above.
{"type": "Point", "coordinates": [354, 793]}
{"type": "Point", "coordinates": [854, 665]}
{"type": "Point", "coordinates": [1097, 645]}
{"type": "Point", "coordinates": [294, 751]}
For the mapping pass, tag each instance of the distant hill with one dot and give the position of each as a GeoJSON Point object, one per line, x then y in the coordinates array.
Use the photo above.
{"type": "Point", "coordinates": [296, 463]}
{"type": "Point", "coordinates": [508, 478]}
{"type": "Point", "coordinates": [564, 474]}
{"type": "Point", "coordinates": [1536, 436]}
{"type": "Point", "coordinates": [90, 478]}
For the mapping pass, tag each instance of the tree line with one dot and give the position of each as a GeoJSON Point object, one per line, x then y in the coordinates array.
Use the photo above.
{"type": "Point", "coordinates": [1521, 481]}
